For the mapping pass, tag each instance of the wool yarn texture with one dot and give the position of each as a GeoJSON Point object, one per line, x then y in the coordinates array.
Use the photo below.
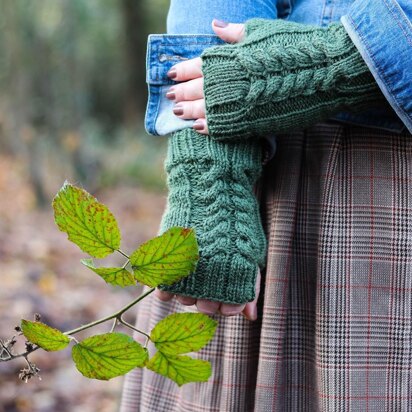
{"type": "Point", "coordinates": [211, 190]}
{"type": "Point", "coordinates": [283, 76]}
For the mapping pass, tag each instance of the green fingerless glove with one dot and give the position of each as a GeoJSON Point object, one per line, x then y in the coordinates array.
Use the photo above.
{"type": "Point", "coordinates": [283, 76]}
{"type": "Point", "coordinates": [211, 190]}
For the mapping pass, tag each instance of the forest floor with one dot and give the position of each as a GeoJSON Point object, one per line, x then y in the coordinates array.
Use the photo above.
{"type": "Point", "coordinates": [40, 272]}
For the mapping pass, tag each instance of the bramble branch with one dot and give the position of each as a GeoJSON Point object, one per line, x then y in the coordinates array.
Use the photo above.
{"type": "Point", "coordinates": [6, 346]}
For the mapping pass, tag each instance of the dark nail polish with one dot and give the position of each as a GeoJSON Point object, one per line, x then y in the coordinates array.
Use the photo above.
{"type": "Point", "coordinates": [220, 23]}
{"type": "Point", "coordinates": [171, 95]}
{"type": "Point", "coordinates": [178, 110]}
{"type": "Point", "coordinates": [172, 73]}
{"type": "Point", "coordinates": [198, 125]}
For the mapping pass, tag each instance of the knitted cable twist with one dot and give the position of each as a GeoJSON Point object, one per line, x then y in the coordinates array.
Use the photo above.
{"type": "Point", "coordinates": [211, 189]}
{"type": "Point", "coordinates": [283, 76]}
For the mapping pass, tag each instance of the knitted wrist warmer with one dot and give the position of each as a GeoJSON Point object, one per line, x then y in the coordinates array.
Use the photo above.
{"type": "Point", "coordinates": [211, 190]}
{"type": "Point", "coordinates": [283, 76]}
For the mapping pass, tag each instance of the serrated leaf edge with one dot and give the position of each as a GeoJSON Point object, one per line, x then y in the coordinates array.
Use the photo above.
{"type": "Point", "coordinates": [62, 341]}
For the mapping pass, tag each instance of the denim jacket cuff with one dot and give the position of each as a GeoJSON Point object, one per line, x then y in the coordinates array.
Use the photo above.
{"type": "Point", "coordinates": [164, 51]}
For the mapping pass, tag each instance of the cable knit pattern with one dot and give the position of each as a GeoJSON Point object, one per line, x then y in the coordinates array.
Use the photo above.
{"type": "Point", "coordinates": [211, 189]}
{"type": "Point", "coordinates": [283, 76]}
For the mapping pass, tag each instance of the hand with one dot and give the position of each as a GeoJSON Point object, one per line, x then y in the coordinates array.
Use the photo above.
{"type": "Point", "coordinates": [190, 104]}
{"type": "Point", "coordinates": [189, 98]}
{"type": "Point", "coordinates": [208, 307]}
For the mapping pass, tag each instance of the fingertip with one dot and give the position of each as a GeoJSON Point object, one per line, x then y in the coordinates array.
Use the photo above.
{"type": "Point", "coordinates": [228, 309]}
{"type": "Point", "coordinates": [219, 23]}
{"type": "Point", "coordinates": [207, 307]}
{"type": "Point", "coordinates": [163, 296]}
{"type": "Point", "coordinates": [186, 300]}
{"type": "Point", "coordinates": [250, 311]}
{"type": "Point", "coordinates": [172, 73]}
{"type": "Point", "coordinates": [219, 31]}
{"type": "Point", "coordinates": [186, 70]}
{"type": "Point", "coordinates": [200, 126]}
{"type": "Point", "coordinates": [230, 33]}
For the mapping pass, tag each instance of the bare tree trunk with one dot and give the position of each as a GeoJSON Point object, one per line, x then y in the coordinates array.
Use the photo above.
{"type": "Point", "coordinates": [23, 142]}
{"type": "Point", "coordinates": [136, 34]}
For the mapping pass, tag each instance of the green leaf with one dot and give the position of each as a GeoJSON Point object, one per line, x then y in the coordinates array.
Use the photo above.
{"type": "Point", "coordinates": [183, 332]}
{"type": "Point", "coordinates": [106, 356]}
{"type": "Point", "coordinates": [166, 258]}
{"type": "Point", "coordinates": [181, 369]}
{"type": "Point", "coordinates": [88, 223]}
{"type": "Point", "coordinates": [46, 337]}
{"type": "Point", "coordinates": [115, 276]}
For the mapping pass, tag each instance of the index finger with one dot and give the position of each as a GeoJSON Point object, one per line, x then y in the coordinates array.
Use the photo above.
{"type": "Point", "coordinates": [187, 70]}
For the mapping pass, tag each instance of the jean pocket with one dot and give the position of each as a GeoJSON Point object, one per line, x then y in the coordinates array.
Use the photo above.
{"type": "Point", "coordinates": [164, 51]}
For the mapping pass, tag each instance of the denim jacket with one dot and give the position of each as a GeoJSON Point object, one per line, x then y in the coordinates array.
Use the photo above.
{"type": "Point", "coordinates": [380, 29]}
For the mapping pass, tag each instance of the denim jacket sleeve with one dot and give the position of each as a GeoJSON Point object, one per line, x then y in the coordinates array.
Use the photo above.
{"type": "Point", "coordinates": [382, 32]}
{"type": "Point", "coordinates": [189, 32]}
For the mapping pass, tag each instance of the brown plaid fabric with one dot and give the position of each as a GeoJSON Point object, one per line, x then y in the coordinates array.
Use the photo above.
{"type": "Point", "coordinates": [334, 331]}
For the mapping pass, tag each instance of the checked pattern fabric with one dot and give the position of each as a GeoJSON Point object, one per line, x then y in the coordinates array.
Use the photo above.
{"type": "Point", "coordinates": [334, 330]}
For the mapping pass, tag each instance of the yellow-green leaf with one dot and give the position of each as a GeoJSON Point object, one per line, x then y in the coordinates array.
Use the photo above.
{"type": "Point", "coordinates": [181, 369]}
{"type": "Point", "coordinates": [183, 332]}
{"type": "Point", "coordinates": [166, 258]}
{"type": "Point", "coordinates": [109, 355]}
{"type": "Point", "coordinates": [48, 338]}
{"type": "Point", "coordinates": [88, 223]}
{"type": "Point", "coordinates": [115, 276]}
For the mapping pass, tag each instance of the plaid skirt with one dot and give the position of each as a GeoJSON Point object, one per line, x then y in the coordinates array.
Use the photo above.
{"type": "Point", "coordinates": [334, 331]}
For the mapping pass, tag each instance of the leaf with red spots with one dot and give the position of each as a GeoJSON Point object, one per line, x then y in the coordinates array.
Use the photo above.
{"type": "Point", "coordinates": [88, 223]}
{"type": "Point", "coordinates": [181, 369]}
{"type": "Point", "coordinates": [183, 332]}
{"type": "Point", "coordinates": [109, 355]}
{"type": "Point", "coordinates": [114, 276]}
{"type": "Point", "coordinates": [166, 258]}
{"type": "Point", "coordinates": [48, 338]}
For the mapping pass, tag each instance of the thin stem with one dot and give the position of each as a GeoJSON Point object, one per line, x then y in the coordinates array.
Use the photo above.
{"type": "Point", "coordinates": [125, 264]}
{"type": "Point", "coordinates": [132, 327]}
{"type": "Point", "coordinates": [124, 254]}
{"type": "Point", "coordinates": [114, 325]}
{"type": "Point", "coordinates": [114, 315]}
{"type": "Point", "coordinates": [28, 362]}
{"type": "Point", "coordinates": [20, 355]}
{"type": "Point", "coordinates": [72, 337]}
{"type": "Point", "coordinates": [127, 307]}
{"type": "Point", "coordinates": [89, 325]}
{"type": "Point", "coordinates": [4, 349]}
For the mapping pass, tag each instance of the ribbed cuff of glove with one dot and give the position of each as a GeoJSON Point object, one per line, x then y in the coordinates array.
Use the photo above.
{"type": "Point", "coordinates": [283, 76]}
{"type": "Point", "coordinates": [211, 190]}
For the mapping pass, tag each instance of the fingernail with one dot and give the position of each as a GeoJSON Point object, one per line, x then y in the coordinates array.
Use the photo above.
{"type": "Point", "coordinates": [220, 23]}
{"type": "Point", "coordinates": [198, 125]}
{"type": "Point", "coordinates": [172, 73]}
{"type": "Point", "coordinates": [171, 95]}
{"type": "Point", "coordinates": [178, 110]}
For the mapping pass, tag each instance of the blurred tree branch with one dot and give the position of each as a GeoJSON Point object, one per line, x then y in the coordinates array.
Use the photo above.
{"type": "Point", "coordinates": [134, 17]}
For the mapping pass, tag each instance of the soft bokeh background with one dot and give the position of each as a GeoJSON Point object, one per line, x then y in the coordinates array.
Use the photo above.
{"type": "Point", "coordinates": [72, 97]}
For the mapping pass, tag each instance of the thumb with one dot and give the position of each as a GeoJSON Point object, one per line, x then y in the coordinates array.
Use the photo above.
{"type": "Point", "coordinates": [229, 32]}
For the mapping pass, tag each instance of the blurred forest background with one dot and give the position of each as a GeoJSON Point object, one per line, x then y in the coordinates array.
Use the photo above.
{"type": "Point", "coordinates": [72, 101]}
